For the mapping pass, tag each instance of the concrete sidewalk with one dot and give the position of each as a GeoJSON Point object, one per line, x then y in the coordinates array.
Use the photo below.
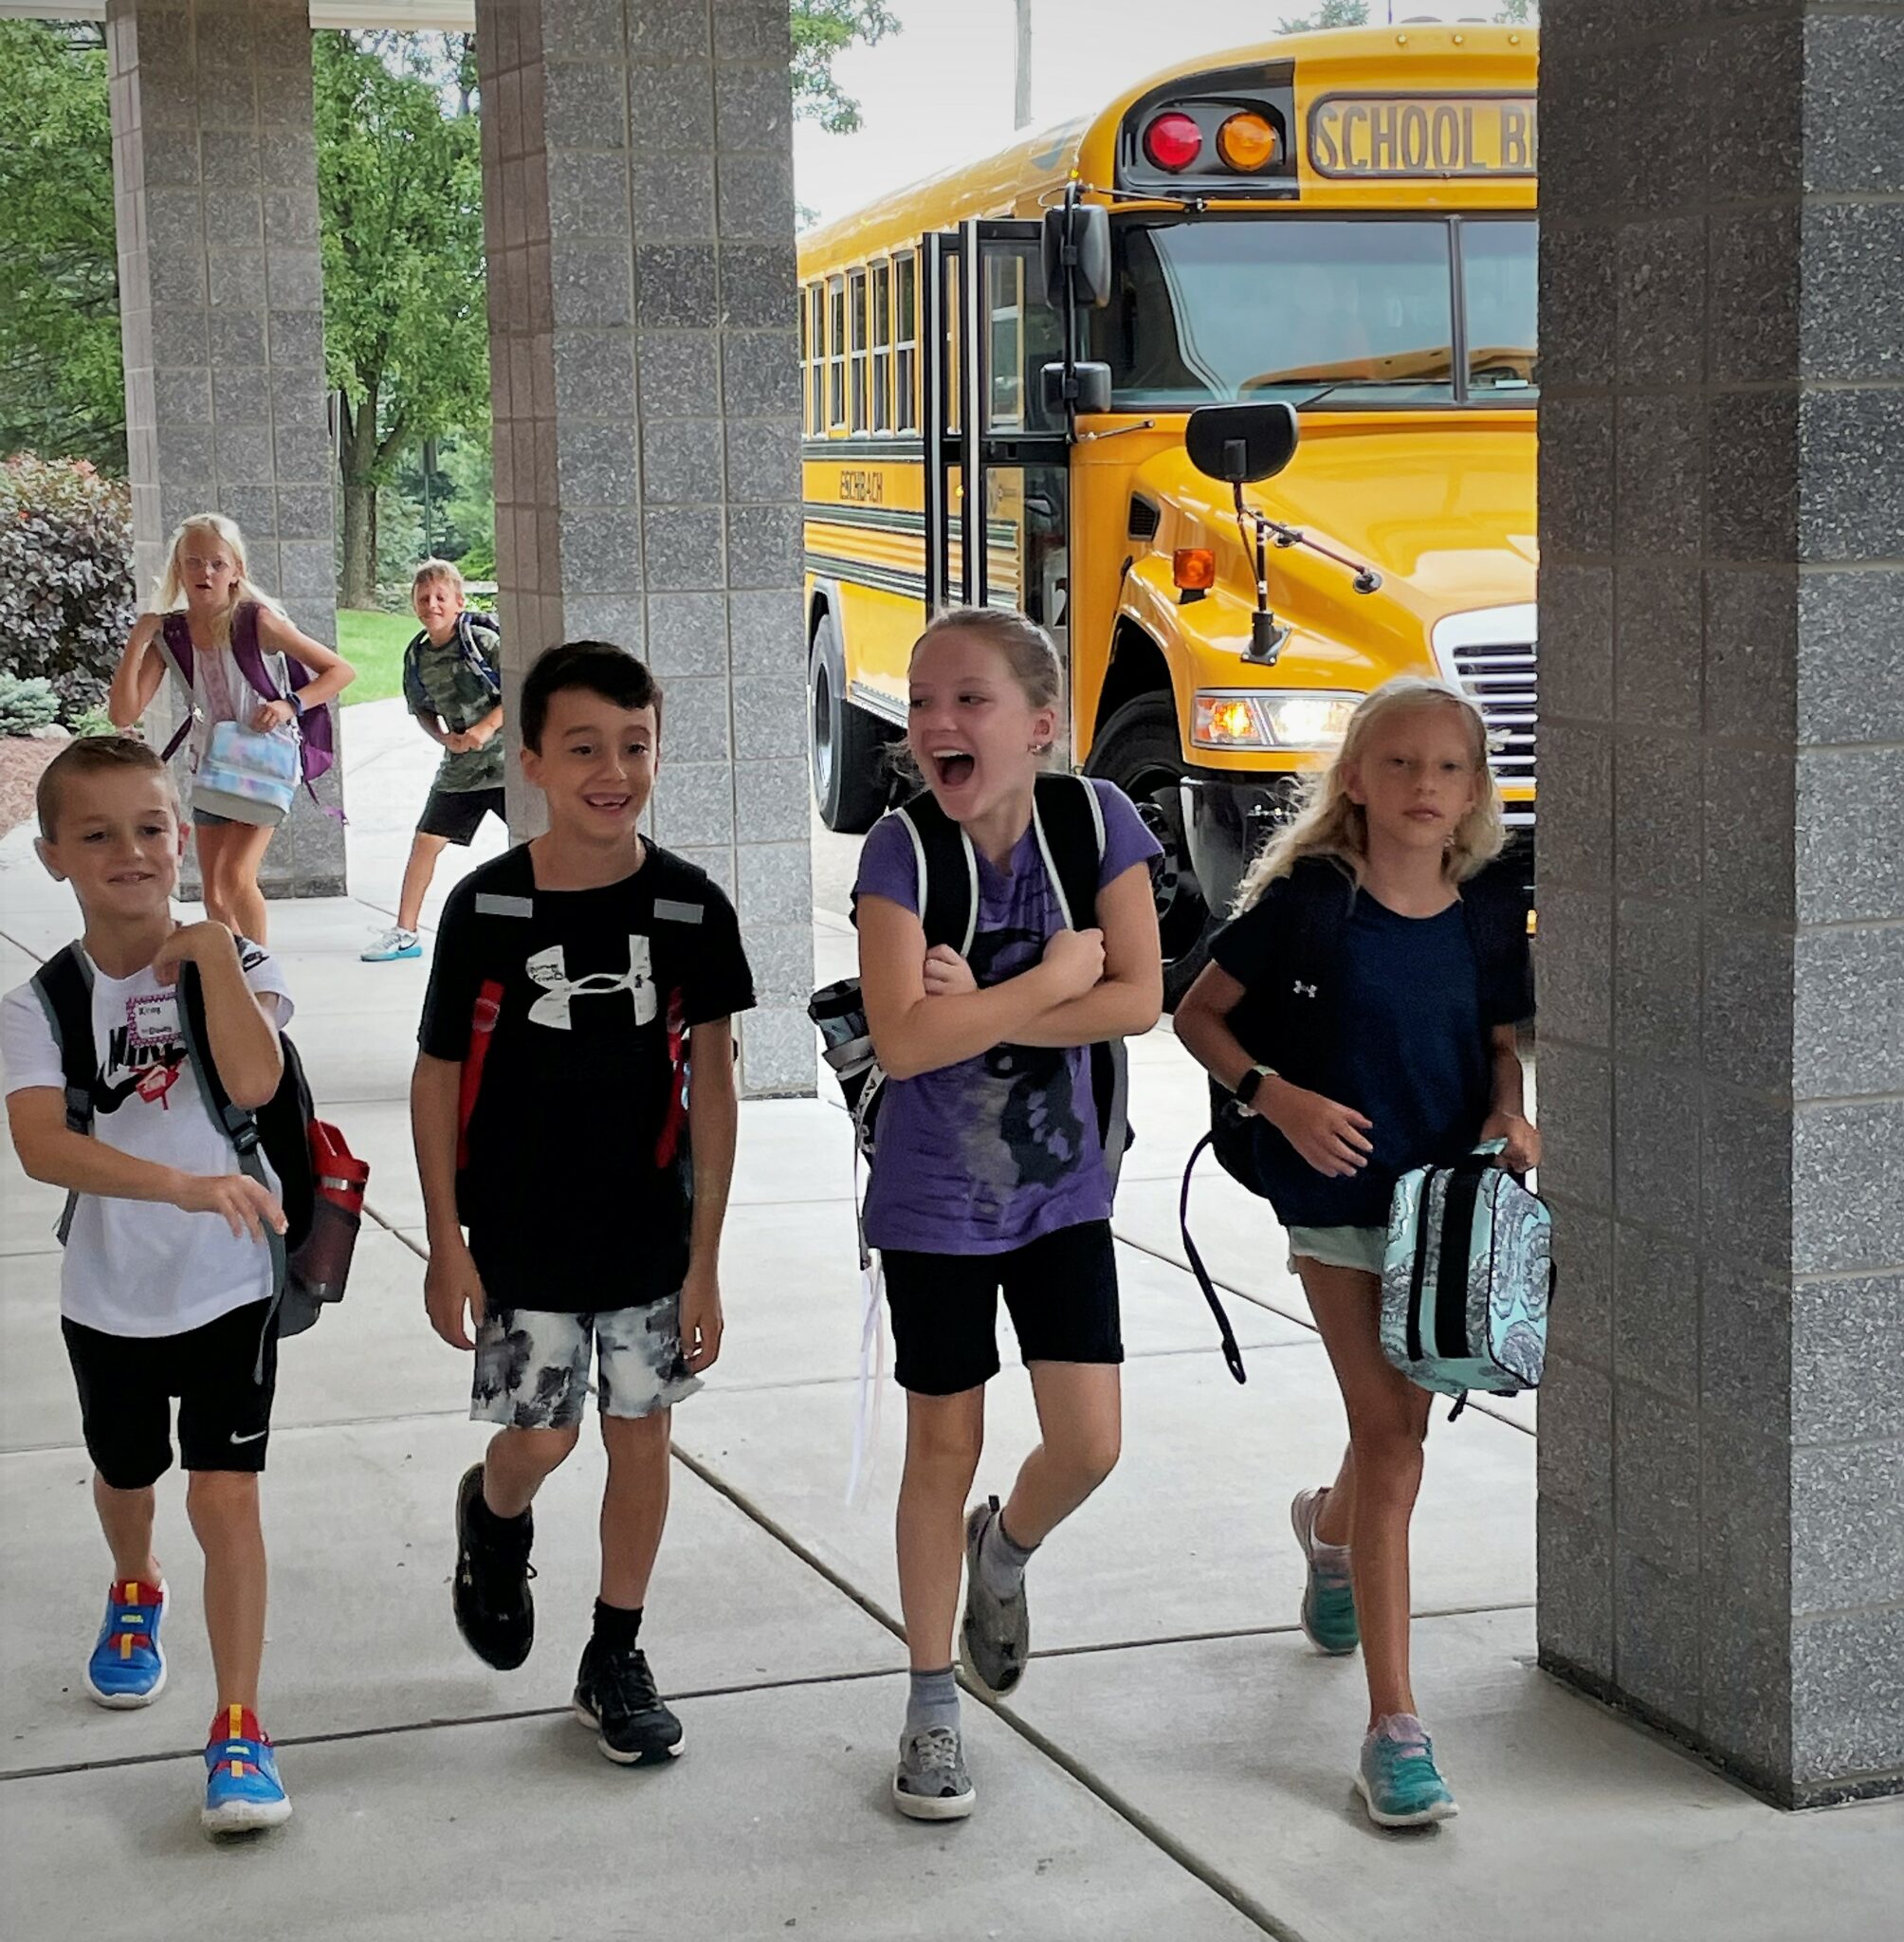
{"type": "Point", "coordinates": [1177, 1764]}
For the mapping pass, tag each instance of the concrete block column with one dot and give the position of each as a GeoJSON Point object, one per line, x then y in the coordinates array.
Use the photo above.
{"type": "Point", "coordinates": [1722, 897]}
{"type": "Point", "coordinates": [637, 171]}
{"type": "Point", "coordinates": [221, 305]}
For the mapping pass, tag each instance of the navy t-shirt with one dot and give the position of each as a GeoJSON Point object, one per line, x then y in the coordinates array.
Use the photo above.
{"type": "Point", "coordinates": [1412, 1057]}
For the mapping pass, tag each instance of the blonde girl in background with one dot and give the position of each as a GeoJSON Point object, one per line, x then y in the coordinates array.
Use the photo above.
{"type": "Point", "coordinates": [1362, 1005]}
{"type": "Point", "coordinates": [219, 635]}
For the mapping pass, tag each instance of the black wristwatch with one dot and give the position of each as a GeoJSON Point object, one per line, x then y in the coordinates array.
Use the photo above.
{"type": "Point", "coordinates": [1249, 1084]}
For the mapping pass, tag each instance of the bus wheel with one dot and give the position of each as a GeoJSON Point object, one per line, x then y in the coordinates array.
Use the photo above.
{"type": "Point", "coordinates": [847, 750]}
{"type": "Point", "coordinates": [1138, 750]}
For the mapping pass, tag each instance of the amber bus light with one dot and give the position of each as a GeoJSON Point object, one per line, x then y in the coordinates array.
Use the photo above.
{"type": "Point", "coordinates": [1248, 143]}
{"type": "Point", "coordinates": [1194, 567]}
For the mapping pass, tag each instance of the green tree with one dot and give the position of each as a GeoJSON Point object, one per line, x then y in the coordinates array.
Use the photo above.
{"type": "Point", "coordinates": [1330, 13]}
{"type": "Point", "coordinates": [822, 30]}
{"type": "Point", "coordinates": [62, 378]}
{"type": "Point", "coordinates": [405, 323]}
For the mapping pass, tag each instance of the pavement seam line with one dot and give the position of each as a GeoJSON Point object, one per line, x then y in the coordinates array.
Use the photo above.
{"type": "Point", "coordinates": [1139, 1823]}
{"type": "Point", "coordinates": [345, 1735]}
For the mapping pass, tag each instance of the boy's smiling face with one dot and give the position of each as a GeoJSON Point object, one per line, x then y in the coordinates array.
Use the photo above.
{"type": "Point", "coordinates": [118, 840]}
{"type": "Point", "coordinates": [595, 765]}
{"type": "Point", "coordinates": [438, 602]}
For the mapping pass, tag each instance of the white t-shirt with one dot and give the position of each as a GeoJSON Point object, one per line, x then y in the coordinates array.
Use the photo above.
{"type": "Point", "coordinates": [142, 1267]}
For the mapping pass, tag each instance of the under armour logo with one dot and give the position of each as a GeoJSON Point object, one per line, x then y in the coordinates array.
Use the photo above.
{"type": "Point", "coordinates": [548, 969]}
{"type": "Point", "coordinates": [1305, 990]}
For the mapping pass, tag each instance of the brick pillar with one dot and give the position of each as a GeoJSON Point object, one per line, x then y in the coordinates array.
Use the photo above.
{"type": "Point", "coordinates": [1721, 895]}
{"type": "Point", "coordinates": [637, 178]}
{"type": "Point", "coordinates": [221, 307]}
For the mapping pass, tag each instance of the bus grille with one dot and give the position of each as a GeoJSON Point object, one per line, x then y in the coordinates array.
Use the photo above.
{"type": "Point", "coordinates": [1505, 680]}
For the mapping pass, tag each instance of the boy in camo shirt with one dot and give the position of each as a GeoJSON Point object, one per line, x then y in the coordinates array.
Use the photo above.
{"type": "Point", "coordinates": [453, 686]}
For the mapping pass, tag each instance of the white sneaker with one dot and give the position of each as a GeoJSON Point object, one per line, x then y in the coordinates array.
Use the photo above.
{"type": "Point", "coordinates": [393, 944]}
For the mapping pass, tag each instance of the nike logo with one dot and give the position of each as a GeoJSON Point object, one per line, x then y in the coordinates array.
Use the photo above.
{"type": "Point", "coordinates": [251, 1439]}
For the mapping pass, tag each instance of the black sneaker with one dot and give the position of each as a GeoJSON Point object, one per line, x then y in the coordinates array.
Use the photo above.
{"type": "Point", "coordinates": [490, 1592]}
{"type": "Point", "coordinates": [615, 1695]}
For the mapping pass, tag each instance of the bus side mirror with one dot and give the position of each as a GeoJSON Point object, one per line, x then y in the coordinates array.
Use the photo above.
{"type": "Point", "coordinates": [1088, 390]}
{"type": "Point", "coordinates": [1077, 240]}
{"type": "Point", "coordinates": [1240, 444]}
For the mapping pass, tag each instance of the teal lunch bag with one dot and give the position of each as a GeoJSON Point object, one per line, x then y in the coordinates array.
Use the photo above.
{"type": "Point", "coordinates": [1467, 1278]}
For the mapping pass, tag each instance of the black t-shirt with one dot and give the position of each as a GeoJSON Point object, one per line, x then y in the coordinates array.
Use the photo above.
{"type": "Point", "coordinates": [1409, 1050]}
{"type": "Point", "coordinates": [574, 1178]}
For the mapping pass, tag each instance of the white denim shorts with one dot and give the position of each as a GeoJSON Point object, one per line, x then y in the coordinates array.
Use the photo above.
{"type": "Point", "coordinates": [1361, 1247]}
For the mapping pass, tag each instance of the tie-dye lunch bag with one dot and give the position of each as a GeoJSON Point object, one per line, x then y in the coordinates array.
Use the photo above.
{"type": "Point", "coordinates": [1467, 1278]}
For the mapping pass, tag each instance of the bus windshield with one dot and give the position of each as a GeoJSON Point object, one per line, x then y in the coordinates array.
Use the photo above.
{"type": "Point", "coordinates": [1212, 308]}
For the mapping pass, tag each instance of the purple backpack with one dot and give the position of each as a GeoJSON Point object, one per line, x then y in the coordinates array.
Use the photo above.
{"type": "Point", "coordinates": [318, 746]}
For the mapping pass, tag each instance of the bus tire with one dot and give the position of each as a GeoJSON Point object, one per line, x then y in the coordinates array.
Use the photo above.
{"type": "Point", "coordinates": [845, 744]}
{"type": "Point", "coordinates": [1138, 749]}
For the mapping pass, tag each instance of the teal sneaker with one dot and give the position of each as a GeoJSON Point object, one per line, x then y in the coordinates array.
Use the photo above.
{"type": "Point", "coordinates": [1397, 1778]}
{"type": "Point", "coordinates": [127, 1666]}
{"type": "Point", "coordinates": [243, 1792]}
{"type": "Point", "coordinates": [393, 944]}
{"type": "Point", "coordinates": [1328, 1598]}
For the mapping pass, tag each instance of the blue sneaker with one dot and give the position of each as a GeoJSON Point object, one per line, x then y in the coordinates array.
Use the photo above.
{"type": "Point", "coordinates": [1398, 1778]}
{"type": "Point", "coordinates": [1328, 1598]}
{"type": "Point", "coordinates": [393, 944]}
{"type": "Point", "coordinates": [127, 1667]}
{"type": "Point", "coordinates": [242, 1788]}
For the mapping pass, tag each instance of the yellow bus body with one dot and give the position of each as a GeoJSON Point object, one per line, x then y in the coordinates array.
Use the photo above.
{"type": "Point", "coordinates": [1441, 501]}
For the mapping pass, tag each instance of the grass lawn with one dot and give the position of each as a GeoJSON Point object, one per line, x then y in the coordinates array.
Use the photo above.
{"type": "Point", "coordinates": [374, 645]}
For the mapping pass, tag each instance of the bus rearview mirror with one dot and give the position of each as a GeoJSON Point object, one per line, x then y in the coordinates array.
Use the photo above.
{"type": "Point", "coordinates": [1088, 388]}
{"type": "Point", "coordinates": [1240, 444]}
{"type": "Point", "coordinates": [1076, 239]}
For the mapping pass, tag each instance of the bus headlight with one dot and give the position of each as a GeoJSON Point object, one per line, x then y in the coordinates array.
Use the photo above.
{"type": "Point", "coordinates": [1248, 718]}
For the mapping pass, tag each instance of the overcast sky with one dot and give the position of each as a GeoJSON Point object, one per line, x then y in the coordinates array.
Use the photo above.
{"type": "Point", "coordinates": [940, 92]}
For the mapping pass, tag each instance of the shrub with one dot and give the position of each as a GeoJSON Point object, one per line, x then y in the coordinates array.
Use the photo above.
{"type": "Point", "coordinates": [27, 705]}
{"type": "Point", "coordinates": [68, 597]}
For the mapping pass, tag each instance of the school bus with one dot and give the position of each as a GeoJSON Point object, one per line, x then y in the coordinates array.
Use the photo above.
{"type": "Point", "coordinates": [1340, 221]}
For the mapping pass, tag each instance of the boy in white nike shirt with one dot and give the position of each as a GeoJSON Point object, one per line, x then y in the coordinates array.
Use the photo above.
{"type": "Point", "coordinates": [167, 1288]}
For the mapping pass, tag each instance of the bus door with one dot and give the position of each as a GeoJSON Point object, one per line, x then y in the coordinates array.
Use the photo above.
{"type": "Point", "coordinates": [998, 498]}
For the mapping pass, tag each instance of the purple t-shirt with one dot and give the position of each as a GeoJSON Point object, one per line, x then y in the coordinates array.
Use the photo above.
{"type": "Point", "coordinates": [982, 1157]}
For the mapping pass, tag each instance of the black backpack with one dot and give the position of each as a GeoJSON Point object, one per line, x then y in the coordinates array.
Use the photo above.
{"type": "Point", "coordinates": [320, 1183]}
{"type": "Point", "coordinates": [1067, 822]}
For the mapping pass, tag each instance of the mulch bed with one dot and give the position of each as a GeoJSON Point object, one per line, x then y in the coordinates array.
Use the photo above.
{"type": "Point", "coordinates": [21, 760]}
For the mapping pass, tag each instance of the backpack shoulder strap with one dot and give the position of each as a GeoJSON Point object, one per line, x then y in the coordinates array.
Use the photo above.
{"type": "Point", "coordinates": [477, 652]}
{"type": "Point", "coordinates": [1069, 820]}
{"type": "Point", "coordinates": [237, 1123]}
{"type": "Point", "coordinates": [948, 874]}
{"type": "Point", "coordinates": [173, 642]}
{"type": "Point", "coordinates": [63, 985]}
{"type": "Point", "coordinates": [248, 655]}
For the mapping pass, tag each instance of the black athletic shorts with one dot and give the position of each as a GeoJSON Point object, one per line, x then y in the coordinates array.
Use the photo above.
{"type": "Point", "coordinates": [1061, 1290]}
{"type": "Point", "coordinates": [127, 1383]}
{"type": "Point", "coordinates": [456, 815]}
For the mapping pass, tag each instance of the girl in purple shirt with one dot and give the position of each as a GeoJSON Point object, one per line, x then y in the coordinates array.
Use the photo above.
{"type": "Point", "coordinates": [991, 1173]}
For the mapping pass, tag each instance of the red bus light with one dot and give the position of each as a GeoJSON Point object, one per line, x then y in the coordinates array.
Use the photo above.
{"type": "Point", "coordinates": [1173, 142]}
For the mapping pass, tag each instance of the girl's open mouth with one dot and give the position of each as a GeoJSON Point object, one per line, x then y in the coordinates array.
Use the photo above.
{"type": "Point", "coordinates": [952, 767]}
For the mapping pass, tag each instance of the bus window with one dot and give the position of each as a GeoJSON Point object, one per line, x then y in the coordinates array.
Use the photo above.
{"type": "Point", "coordinates": [882, 346]}
{"type": "Point", "coordinates": [856, 377]}
{"type": "Point", "coordinates": [836, 353]}
{"type": "Point", "coordinates": [905, 343]}
{"type": "Point", "coordinates": [955, 375]}
{"type": "Point", "coordinates": [815, 320]}
{"type": "Point", "coordinates": [1005, 309]}
{"type": "Point", "coordinates": [1228, 308]}
{"type": "Point", "coordinates": [1498, 279]}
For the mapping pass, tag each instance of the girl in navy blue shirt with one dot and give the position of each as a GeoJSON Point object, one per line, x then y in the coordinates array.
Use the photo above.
{"type": "Point", "coordinates": [1362, 1006]}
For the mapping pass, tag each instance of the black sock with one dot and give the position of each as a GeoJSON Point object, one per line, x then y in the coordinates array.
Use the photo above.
{"type": "Point", "coordinates": [493, 1526]}
{"type": "Point", "coordinates": [616, 1626]}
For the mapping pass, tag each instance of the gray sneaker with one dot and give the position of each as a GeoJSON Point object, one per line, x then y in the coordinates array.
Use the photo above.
{"type": "Point", "coordinates": [998, 1631]}
{"type": "Point", "coordinates": [931, 1782]}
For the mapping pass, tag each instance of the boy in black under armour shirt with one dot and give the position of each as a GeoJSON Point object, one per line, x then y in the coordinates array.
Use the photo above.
{"type": "Point", "coordinates": [573, 1104]}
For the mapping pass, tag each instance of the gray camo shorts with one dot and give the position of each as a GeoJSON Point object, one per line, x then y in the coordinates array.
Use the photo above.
{"type": "Point", "coordinates": [532, 1366]}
